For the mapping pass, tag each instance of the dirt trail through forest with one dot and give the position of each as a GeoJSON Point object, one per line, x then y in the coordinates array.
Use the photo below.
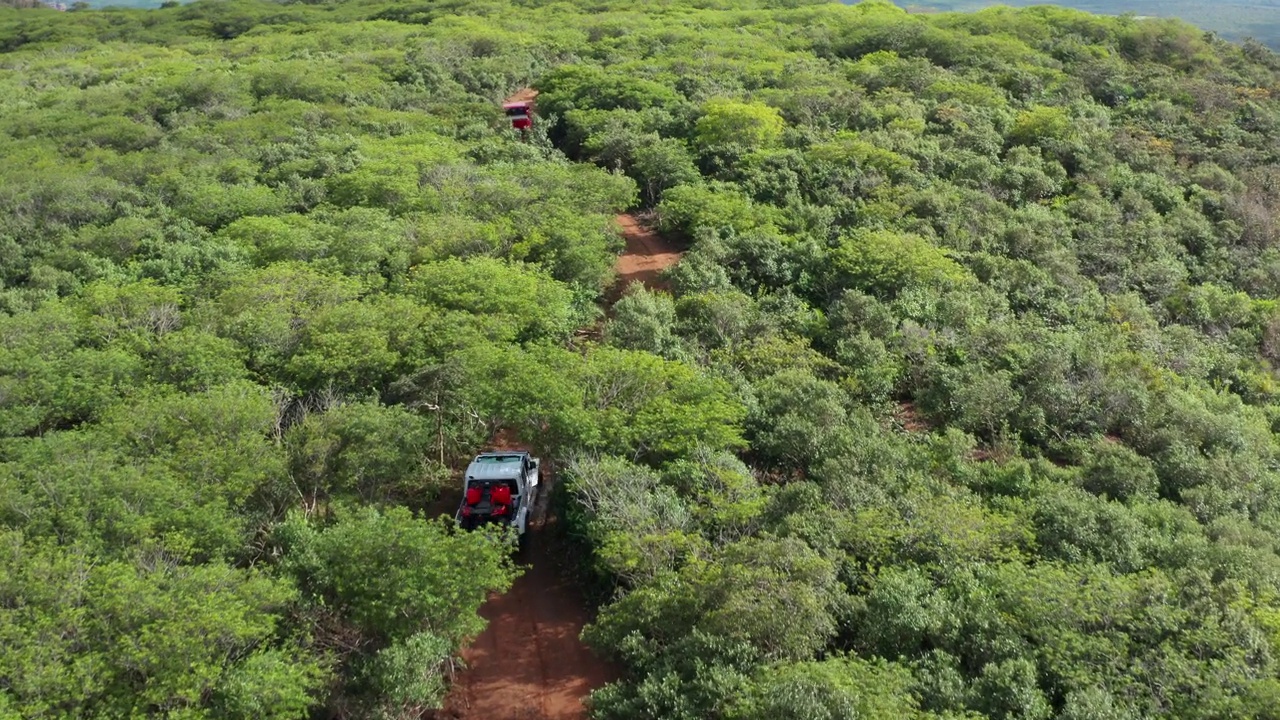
{"type": "Point", "coordinates": [529, 664]}
{"type": "Point", "coordinates": [525, 95]}
{"type": "Point", "coordinates": [646, 255]}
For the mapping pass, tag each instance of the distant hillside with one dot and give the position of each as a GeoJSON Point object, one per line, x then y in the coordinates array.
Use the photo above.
{"type": "Point", "coordinates": [1233, 19]}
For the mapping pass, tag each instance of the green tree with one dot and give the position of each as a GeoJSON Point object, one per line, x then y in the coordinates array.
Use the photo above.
{"type": "Point", "coordinates": [522, 302]}
{"type": "Point", "coordinates": [363, 451]}
{"type": "Point", "coordinates": [644, 320]}
{"type": "Point", "coordinates": [727, 122]}
{"type": "Point", "coordinates": [837, 688]}
{"type": "Point", "coordinates": [393, 575]}
{"type": "Point", "coordinates": [103, 639]}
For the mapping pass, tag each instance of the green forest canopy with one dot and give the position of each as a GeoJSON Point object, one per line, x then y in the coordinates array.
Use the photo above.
{"type": "Point", "coordinates": [962, 404]}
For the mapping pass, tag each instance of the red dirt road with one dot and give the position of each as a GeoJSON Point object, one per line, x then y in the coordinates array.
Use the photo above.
{"type": "Point", "coordinates": [523, 95]}
{"type": "Point", "coordinates": [529, 664]}
{"type": "Point", "coordinates": [646, 255]}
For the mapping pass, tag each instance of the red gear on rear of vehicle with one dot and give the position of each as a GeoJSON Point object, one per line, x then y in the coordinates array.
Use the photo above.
{"type": "Point", "coordinates": [501, 495]}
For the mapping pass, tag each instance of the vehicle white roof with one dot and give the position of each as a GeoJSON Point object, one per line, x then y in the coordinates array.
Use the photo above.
{"type": "Point", "coordinates": [495, 466]}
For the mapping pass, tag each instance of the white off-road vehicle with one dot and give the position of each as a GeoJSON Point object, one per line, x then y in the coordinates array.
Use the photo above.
{"type": "Point", "coordinates": [500, 487]}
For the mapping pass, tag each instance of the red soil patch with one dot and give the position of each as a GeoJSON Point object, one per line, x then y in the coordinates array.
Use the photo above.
{"type": "Point", "coordinates": [504, 439]}
{"type": "Point", "coordinates": [646, 255]}
{"type": "Point", "coordinates": [529, 664]}
{"type": "Point", "coordinates": [908, 418]}
{"type": "Point", "coordinates": [523, 95]}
